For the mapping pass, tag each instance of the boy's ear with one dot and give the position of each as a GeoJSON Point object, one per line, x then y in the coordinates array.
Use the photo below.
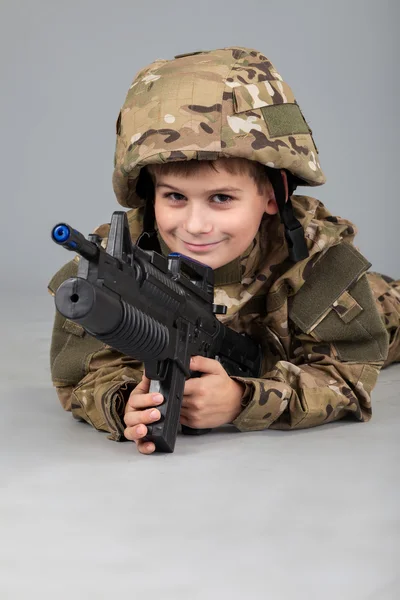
{"type": "Point", "coordinates": [272, 206]}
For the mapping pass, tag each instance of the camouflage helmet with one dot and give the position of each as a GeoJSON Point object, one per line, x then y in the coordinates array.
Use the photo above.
{"type": "Point", "coordinates": [207, 105]}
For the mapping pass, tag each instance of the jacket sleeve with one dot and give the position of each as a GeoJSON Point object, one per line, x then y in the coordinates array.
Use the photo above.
{"type": "Point", "coordinates": [92, 380]}
{"type": "Point", "coordinates": [339, 344]}
{"type": "Point", "coordinates": [386, 292]}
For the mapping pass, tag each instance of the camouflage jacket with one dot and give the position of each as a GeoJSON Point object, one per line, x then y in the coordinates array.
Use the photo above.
{"type": "Point", "coordinates": [321, 328]}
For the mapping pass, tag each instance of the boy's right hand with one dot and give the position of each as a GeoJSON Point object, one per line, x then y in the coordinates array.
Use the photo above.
{"type": "Point", "coordinates": [139, 413]}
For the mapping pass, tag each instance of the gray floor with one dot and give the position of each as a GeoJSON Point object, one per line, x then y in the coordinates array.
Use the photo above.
{"type": "Point", "coordinates": [310, 514]}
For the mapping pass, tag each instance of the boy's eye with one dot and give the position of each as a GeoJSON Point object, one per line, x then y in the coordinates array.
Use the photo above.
{"type": "Point", "coordinates": [175, 196]}
{"type": "Point", "coordinates": [216, 199]}
{"type": "Point", "coordinates": [222, 199]}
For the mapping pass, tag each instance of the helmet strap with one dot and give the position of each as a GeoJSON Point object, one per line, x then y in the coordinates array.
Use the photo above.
{"type": "Point", "coordinates": [294, 232]}
{"type": "Point", "coordinates": [148, 239]}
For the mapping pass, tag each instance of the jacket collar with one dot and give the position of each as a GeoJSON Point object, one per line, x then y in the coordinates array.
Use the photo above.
{"type": "Point", "coordinates": [228, 274]}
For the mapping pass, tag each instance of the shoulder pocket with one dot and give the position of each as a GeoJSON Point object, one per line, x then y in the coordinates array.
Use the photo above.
{"type": "Point", "coordinates": [71, 347]}
{"type": "Point", "coordinates": [336, 305]}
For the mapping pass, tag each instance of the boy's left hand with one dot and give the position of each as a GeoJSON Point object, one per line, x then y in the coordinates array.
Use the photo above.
{"type": "Point", "coordinates": [211, 400]}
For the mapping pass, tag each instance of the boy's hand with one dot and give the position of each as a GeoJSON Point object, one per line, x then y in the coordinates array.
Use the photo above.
{"type": "Point", "coordinates": [213, 399]}
{"type": "Point", "coordinates": [139, 412]}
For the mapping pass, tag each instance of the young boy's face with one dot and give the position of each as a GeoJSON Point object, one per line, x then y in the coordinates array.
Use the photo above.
{"type": "Point", "coordinates": [211, 216]}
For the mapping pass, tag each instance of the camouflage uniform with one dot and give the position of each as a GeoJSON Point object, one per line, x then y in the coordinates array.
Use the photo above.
{"type": "Point", "coordinates": [325, 335]}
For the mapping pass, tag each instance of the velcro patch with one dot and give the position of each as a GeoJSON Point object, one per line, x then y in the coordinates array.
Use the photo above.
{"type": "Point", "coordinates": [284, 119]}
{"type": "Point", "coordinates": [73, 328]}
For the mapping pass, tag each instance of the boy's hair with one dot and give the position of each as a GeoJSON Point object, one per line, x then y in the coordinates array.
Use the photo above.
{"type": "Point", "coordinates": [234, 165]}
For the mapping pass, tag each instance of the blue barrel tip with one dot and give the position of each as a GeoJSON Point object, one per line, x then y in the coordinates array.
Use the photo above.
{"type": "Point", "coordinates": [61, 233]}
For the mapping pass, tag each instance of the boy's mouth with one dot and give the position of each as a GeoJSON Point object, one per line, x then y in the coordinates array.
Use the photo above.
{"type": "Point", "coordinates": [200, 247]}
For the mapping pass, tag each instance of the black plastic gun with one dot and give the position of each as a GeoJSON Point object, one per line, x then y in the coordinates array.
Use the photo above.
{"type": "Point", "coordinates": [156, 309]}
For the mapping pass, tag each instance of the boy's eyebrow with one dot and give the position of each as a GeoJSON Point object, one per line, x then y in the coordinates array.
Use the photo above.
{"type": "Point", "coordinates": [217, 191]}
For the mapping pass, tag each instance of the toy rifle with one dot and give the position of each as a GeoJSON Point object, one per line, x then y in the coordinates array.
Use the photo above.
{"type": "Point", "coordinates": [156, 309]}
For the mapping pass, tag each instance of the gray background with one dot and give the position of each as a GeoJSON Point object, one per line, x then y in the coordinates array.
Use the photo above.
{"type": "Point", "coordinates": [66, 67]}
{"type": "Point", "coordinates": [309, 514]}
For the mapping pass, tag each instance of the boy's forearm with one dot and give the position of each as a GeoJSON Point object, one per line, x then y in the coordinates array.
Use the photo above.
{"type": "Point", "coordinates": [103, 405]}
{"type": "Point", "coordinates": [294, 397]}
{"type": "Point", "coordinates": [99, 398]}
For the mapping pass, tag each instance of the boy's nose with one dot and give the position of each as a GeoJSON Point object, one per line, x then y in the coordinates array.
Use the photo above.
{"type": "Point", "coordinates": [197, 222]}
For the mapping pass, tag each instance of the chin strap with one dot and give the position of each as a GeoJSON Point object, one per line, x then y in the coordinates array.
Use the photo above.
{"type": "Point", "coordinates": [148, 239]}
{"type": "Point", "coordinates": [294, 232]}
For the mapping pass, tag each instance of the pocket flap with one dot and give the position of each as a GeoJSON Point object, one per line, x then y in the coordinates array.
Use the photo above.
{"type": "Point", "coordinates": [335, 272]}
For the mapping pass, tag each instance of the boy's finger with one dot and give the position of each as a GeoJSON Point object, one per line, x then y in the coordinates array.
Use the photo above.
{"type": "Point", "coordinates": [143, 386]}
{"type": "Point", "coordinates": [135, 433]}
{"type": "Point", "coordinates": [144, 400]}
{"type": "Point", "coordinates": [206, 365]}
{"type": "Point", "coordinates": [145, 447]}
{"type": "Point", "coordinates": [191, 388]}
{"type": "Point", "coordinates": [136, 417]}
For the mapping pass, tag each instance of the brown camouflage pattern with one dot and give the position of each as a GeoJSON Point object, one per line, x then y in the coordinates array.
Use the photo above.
{"type": "Point", "coordinates": [221, 103]}
{"type": "Point", "coordinates": [303, 383]}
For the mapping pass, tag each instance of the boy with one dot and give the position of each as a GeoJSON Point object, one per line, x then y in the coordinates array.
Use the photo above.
{"type": "Point", "coordinates": [210, 148]}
